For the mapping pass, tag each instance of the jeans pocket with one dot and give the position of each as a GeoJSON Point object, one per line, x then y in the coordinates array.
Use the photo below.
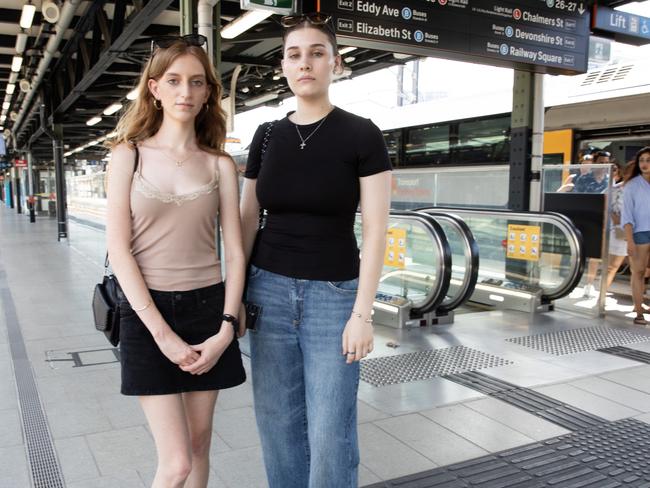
{"type": "Point", "coordinates": [253, 272]}
{"type": "Point", "coordinates": [345, 287]}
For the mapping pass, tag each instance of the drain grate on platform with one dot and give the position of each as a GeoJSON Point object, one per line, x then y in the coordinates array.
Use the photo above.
{"type": "Point", "coordinates": [533, 402]}
{"type": "Point", "coordinates": [609, 455]}
{"type": "Point", "coordinates": [628, 353]}
{"type": "Point", "coordinates": [43, 463]}
{"type": "Point", "coordinates": [579, 340]}
{"type": "Point", "coordinates": [423, 365]}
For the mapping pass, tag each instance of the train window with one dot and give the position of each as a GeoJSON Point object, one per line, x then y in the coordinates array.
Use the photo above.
{"type": "Point", "coordinates": [483, 141]}
{"type": "Point", "coordinates": [393, 141]}
{"type": "Point", "coordinates": [427, 145]}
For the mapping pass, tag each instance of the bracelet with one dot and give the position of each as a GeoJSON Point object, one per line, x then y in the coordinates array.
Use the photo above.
{"type": "Point", "coordinates": [143, 308]}
{"type": "Point", "coordinates": [358, 315]}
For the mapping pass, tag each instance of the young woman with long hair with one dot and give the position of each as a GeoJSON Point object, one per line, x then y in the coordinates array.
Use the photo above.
{"type": "Point", "coordinates": [636, 222]}
{"type": "Point", "coordinates": [168, 179]}
{"type": "Point", "coordinates": [316, 295]}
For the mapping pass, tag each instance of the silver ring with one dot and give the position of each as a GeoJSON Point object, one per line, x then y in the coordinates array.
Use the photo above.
{"type": "Point", "coordinates": [352, 352]}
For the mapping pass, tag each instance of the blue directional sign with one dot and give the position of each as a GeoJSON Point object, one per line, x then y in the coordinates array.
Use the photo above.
{"type": "Point", "coordinates": [621, 26]}
{"type": "Point", "coordinates": [546, 36]}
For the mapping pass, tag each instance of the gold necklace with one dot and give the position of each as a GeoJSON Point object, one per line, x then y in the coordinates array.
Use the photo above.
{"type": "Point", "coordinates": [179, 162]}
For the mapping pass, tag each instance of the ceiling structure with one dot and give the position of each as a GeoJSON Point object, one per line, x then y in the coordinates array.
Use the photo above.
{"type": "Point", "coordinates": [99, 59]}
{"type": "Point", "coordinates": [69, 76]}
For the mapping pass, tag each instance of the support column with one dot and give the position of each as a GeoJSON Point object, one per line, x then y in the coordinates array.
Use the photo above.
{"type": "Point", "coordinates": [31, 202]}
{"type": "Point", "coordinates": [57, 149]}
{"type": "Point", "coordinates": [521, 124]}
{"type": "Point", "coordinates": [537, 144]}
{"type": "Point", "coordinates": [187, 9]}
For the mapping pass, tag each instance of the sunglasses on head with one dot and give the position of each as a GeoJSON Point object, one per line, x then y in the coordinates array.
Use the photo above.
{"type": "Point", "coordinates": [315, 18]}
{"type": "Point", "coordinates": [164, 42]}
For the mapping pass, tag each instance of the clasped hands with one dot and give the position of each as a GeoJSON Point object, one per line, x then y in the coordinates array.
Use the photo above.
{"type": "Point", "coordinates": [199, 358]}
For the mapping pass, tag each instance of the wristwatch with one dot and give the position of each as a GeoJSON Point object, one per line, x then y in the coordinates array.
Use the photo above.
{"type": "Point", "coordinates": [233, 320]}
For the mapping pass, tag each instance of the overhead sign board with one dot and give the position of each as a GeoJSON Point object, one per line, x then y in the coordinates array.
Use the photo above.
{"type": "Point", "coordinates": [20, 163]}
{"type": "Point", "coordinates": [548, 36]}
{"type": "Point", "coordinates": [621, 26]}
{"type": "Point", "coordinates": [280, 7]}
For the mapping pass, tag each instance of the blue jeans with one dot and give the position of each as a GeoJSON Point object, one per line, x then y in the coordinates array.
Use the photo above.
{"type": "Point", "coordinates": [642, 237]}
{"type": "Point", "coordinates": [305, 393]}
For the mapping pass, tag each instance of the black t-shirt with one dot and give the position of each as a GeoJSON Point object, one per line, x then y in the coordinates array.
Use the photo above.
{"type": "Point", "coordinates": [311, 194]}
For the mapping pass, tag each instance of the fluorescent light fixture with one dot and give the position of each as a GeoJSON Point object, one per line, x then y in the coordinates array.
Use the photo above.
{"type": "Point", "coordinates": [346, 50]}
{"type": "Point", "coordinates": [69, 153]}
{"type": "Point", "coordinates": [3, 118]}
{"type": "Point", "coordinates": [261, 99]}
{"type": "Point", "coordinates": [94, 120]}
{"type": "Point", "coordinates": [13, 77]}
{"type": "Point", "coordinates": [27, 17]}
{"type": "Point", "coordinates": [244, 22]}
{"type": "Point", "coordinates": [111, 134]}
{"type": "Point", "coordinates": [349, 59]}
{"type": "Point", "coordinates": [111, 109]}
{"type": "Point", "coordinates": [11, 89]}
{"type": "Point", "coordinates": [133, 94]}
{"type": "Point", "coordinates": [21, 42]}
{"type": "Point", "coordinates": [5, 105]}
{"type": "Point", "coordinates": [16, 63]}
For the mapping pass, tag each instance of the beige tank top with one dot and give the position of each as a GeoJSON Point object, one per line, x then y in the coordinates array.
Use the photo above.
{"type": "Point", "coordinates": [173, 236]}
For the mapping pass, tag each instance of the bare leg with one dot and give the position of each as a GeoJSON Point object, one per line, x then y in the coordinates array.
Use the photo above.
{"type": "Point", "coordinates": [614, 263]}
{"type": "Point", "coordinates": [199, 408]}
{"type": "Point", "coordinates": [592, 270]}
{"type": "Point", "coordinates": [638, 267]}
{"type": "Point", "coordinates": [166, 417]}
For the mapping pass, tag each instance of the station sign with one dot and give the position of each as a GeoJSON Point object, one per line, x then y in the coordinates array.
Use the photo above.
{"type": "Point", "coordinates": [280, 7]}
{"type": "Point", "coordinates": [621, 26]}
{"type": "Point", "coordinates": [20, 163]}
{"type": "Point", "coordinates": [546, 36]}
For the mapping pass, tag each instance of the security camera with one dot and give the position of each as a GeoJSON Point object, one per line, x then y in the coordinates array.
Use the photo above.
{"type": "Point", "coordinates": [51, 11]}
{"type": "Point", "coordinates": [24, 85]}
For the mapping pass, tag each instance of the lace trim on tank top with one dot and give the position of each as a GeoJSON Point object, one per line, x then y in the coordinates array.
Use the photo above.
{"type": "Point", "coordinates": [146, 189]}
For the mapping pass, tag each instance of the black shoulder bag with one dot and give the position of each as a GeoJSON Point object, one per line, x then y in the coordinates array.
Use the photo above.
{"type": "Point", "coordinates": [106, 309]}
{"type": "Point", "coordinates": [252, 310]}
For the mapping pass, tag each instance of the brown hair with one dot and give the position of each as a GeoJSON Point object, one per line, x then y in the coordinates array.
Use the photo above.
{"type": "Point", "coordinates": [634, 168]}
{"type": "Point", "coordinates": [142, 120]}
{"type": "Point", "coordinates": [306, 24]}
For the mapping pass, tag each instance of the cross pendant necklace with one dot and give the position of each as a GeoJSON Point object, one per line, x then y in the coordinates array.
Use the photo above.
{"type": "Point", "coordinates": [303, 140]}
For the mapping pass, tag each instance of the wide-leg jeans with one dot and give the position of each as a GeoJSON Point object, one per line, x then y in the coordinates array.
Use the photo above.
{"type": "Point", "coordinates": [305, 393]}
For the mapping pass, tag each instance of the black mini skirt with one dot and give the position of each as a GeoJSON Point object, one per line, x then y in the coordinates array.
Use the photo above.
{"type": "Point", "coordinates": [194, 315]}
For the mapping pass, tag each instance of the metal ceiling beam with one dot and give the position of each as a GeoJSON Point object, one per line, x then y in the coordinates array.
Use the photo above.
{"type": "Point", "coordinates": [134, 28]}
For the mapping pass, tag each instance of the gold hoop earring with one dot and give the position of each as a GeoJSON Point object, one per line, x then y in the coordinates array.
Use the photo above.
{"type": "Point", "coordinates": [206, 108]}
{"type": "Point", "coordinates": [157, 104]}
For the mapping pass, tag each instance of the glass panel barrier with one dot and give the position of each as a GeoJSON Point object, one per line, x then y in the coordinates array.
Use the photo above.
{"type": "Point", "coordinates": [528, 251]}
{"type": "Point", "coordinates": [583, 193]}
{"type": "Point", "coordinates": [454, 186]}
{"type": "Point", "coordinates": [464, 259]}
{"type": "Point", "coordinates": [417, 264]}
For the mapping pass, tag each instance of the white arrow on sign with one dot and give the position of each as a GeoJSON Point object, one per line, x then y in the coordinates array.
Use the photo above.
{"type": "Point", "coordinates": [581, 9]}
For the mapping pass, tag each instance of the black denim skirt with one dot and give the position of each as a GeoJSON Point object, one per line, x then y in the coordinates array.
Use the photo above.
{"type": "Point", "coordinates": [194, 315]}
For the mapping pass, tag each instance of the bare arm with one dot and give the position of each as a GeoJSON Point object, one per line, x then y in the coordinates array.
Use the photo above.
{"type": "Point", "coordinates": [118, 237]}
{"type": "Point", "coordinates": [250, 212]}
{"type": "Point", "coordinates": [375, 208]}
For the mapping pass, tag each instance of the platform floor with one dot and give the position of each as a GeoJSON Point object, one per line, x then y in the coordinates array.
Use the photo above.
{"type": "Point", "coordinates": [64, 423]}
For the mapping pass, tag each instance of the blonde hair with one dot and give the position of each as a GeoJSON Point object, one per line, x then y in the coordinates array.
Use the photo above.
{"type": "Point", "coordinates": [142, 120]}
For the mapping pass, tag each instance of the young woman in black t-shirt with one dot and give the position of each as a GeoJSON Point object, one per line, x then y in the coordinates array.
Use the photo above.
{"type": "Point", "coordinates": [316, 295]}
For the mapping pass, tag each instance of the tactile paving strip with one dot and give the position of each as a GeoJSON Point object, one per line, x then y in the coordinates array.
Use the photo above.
{"type": "Point", "coordinates": [607, 456]}
{"type": "Point", "coordinates": [579, 340]}
{"type": "Point", "coordinates": [43, 462]}
{"type": "Point", "coordinates": [540, 405]}
{"type": "Point", "coordinates": [628, 353]}
{"type": "Point", "coordinates": [423, 365]}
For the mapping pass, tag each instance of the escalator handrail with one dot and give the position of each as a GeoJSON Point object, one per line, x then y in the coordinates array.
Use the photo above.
{"type": "Point", "coordinates": [471, 260]}
{"type": "Point", "coordinates": [574, 237]}
{"type": "Point", "coordinates": [438, 293]}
